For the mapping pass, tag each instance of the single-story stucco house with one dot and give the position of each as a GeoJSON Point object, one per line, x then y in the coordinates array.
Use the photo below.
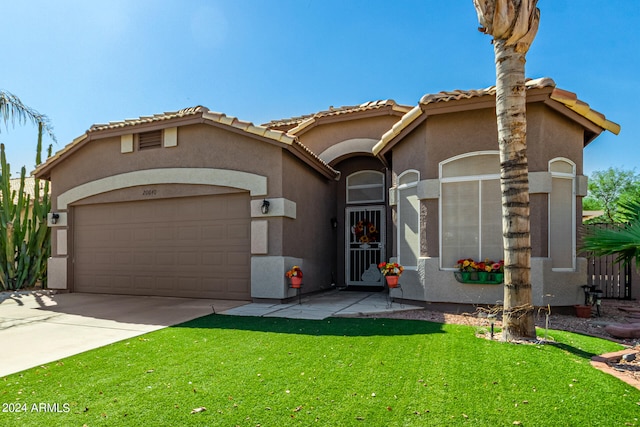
{"type": "Point", "coordinates": [199, 204]}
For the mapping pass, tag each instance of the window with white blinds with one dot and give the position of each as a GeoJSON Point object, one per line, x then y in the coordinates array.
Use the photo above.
{"type": "Point", "coordinates": [470, 209]}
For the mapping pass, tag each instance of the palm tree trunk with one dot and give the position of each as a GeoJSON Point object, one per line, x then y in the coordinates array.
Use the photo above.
{"type": "Point", "coordinates": [513, 25]}
{"type": "Point", "coordinates": [518, 319]}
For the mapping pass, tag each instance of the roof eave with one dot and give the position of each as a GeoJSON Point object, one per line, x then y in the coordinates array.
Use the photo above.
{"type": "Point", "coordinates": [304, 154]}
{"type": "Point", "coordinates": [408, 122]}
{"type": "Point", "coordinates": [43, 170]}
{"type": "Point", "coordinates": [570, 100]}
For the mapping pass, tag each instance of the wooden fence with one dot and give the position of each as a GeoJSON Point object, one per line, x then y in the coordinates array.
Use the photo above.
{"type": "Point", "coordinates": [613, 279]}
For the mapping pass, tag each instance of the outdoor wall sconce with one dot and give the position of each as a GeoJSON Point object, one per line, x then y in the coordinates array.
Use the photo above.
{"type": "Point", "coordinates": [265, 206]}
{"type": "Point", "coordinates": [54, 218]}
{"type": "Point", "coordinates": [334, 222]}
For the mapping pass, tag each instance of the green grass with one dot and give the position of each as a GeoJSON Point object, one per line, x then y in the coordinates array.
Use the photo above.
{"type": "Point", "coordinates": [250, 371]}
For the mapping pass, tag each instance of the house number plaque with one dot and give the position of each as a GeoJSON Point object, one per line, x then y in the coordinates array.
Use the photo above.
{"type": "Point", "coordinates": [149, 192]}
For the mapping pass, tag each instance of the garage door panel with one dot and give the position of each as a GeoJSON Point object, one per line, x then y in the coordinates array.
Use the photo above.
{"type": "Point", "coordinates": [189, 258]}
{"type": "Point", "coordinates": [144, 258]}
{"type": "Point", "coordinates": [237, 231]}
{"type": "Point", "coordinates": [121, 235]}
{"type": "Point", "coordinates": [213, 258]}
{"type": "Point", "coordinates": [123, 258]}
{"type": "Point", "coordinates": [144, 282]}
{"type": "Point", "coordinates": [190, 247]}
{"type": "Point", "coordinates": [213, 232]}
{"type": "Point", "coordinates": [164, 283]}
{"type": "Point", "coordinates": [165, 258]}
{"type": "Point", "coordinates": [189, 284]}
{"type": "Point", "coordinates": [165, 235]}
{"type": "Point", "coordinates": [143, 234]}
{"type": "Point", "coordinates": [237, 259]}
{"type": "Point", "coordinates": [120, 282]}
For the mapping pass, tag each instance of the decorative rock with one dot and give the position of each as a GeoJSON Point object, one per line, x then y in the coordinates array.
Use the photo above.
{"type": "Point", "coordinates": [624, 330]}
{"type": "Point", "coordinates": [630, 357]}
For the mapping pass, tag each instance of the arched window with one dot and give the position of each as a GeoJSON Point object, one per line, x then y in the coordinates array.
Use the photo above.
{"type": "Point", "coordinates": [470, 208]}
{"type": "Point", "coordinates": [365, 187]}
{"type": "Point", "coordinates": [562, 215]}
{"type": "Point", "coordinates": [408, 219]}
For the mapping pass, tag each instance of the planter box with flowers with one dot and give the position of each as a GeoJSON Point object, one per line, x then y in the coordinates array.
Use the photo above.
{"type": "Point", "coordinates": [480, 272]}
{"type": "Point", "coordinates": [391, 272]}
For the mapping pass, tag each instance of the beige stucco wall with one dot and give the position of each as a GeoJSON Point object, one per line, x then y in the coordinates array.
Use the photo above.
{"type": "Point", "coordinates": [328, 133]}
{"type": "Point", "coordinates": [199, 146]}
{"type": "Point", "coordinates": [208, 160]}
{"type": "Point", "coordinates": [432, 284]}
{"type": "Point", "coordinates": [310, 236]}
{"type": "Point", "coordinates": [443, 136]}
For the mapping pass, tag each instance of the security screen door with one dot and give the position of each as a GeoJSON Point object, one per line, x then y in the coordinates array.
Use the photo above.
{"type": "Point", "coordinates": [365, 239]}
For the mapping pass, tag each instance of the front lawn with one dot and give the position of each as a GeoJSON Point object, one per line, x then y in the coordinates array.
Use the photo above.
{"type": "Point", "coordinates": [250, 371]}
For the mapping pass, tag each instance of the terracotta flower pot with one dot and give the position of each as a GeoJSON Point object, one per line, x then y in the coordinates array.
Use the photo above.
{"type": "Point", "coordinates": [392, 281]}
{"type": "Point", "coordinates": [583, 311]}
{"type": "Point", "coordinates": [296, 281]}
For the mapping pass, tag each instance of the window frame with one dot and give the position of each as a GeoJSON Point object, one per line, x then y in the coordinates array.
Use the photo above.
{"type": "Point", "coordinates": [400, 188]}
{"type": "Point", "coordinates": [365, 186]}
{"type": "Point", "coordinates": [478, 178]}
{"type": "Point", "coordinates": [563, 175]}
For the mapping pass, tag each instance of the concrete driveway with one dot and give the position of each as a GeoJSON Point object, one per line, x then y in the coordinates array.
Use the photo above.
{"type": "Point", "coordinates": [39, 328]}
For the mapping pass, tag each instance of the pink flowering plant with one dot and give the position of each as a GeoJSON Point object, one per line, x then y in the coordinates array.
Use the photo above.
{"type": "Point", "coordinates": [497, 267]}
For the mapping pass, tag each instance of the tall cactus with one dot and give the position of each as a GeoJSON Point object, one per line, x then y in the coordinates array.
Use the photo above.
{"type": "Point", "coordinates": [25, 239]}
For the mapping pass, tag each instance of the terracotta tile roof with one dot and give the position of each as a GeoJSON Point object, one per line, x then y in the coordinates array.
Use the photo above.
{"type": "Point", "coordinates": [194, 111]}
{"type": "Point", "coordinates": [294, 122]}
{"type": "Point", "coordinates": [568, 99]}
{"type": "Point", "coordinates": [198, 111]}
{"type": "Point", "coordinates": [148, 119]}
{"type": "Point", "coordinates": [29, 185]}
{"type": "Point", "coordinates": [457, 95]}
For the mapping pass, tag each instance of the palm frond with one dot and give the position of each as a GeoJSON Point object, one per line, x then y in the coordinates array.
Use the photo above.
{"type": "Point", "coordinates": [629, 210]}
{"type": "Point", "coordinates": [12, 109]}
{"type": "Point", "coordinates": [622, 240]}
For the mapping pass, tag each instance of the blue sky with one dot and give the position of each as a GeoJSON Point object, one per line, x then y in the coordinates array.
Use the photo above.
{"type": "Point", "coordinates": [85, 62]}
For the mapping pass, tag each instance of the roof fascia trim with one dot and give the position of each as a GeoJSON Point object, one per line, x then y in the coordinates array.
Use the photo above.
{"type": "Point", "coordinates": [407, 123]}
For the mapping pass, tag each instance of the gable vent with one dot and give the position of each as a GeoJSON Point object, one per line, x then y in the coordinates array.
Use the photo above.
{"type": "Point", "coordinates": [148, 140]}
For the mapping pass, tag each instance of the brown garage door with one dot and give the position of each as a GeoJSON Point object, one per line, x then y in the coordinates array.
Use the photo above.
{"type": "Point", "coordinates": [195, 247]}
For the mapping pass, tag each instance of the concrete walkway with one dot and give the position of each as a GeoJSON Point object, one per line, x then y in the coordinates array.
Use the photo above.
{"type": "Point", "coordinates": [333, 303]}
{"type": "Point", "coordinates": [39, 328]}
